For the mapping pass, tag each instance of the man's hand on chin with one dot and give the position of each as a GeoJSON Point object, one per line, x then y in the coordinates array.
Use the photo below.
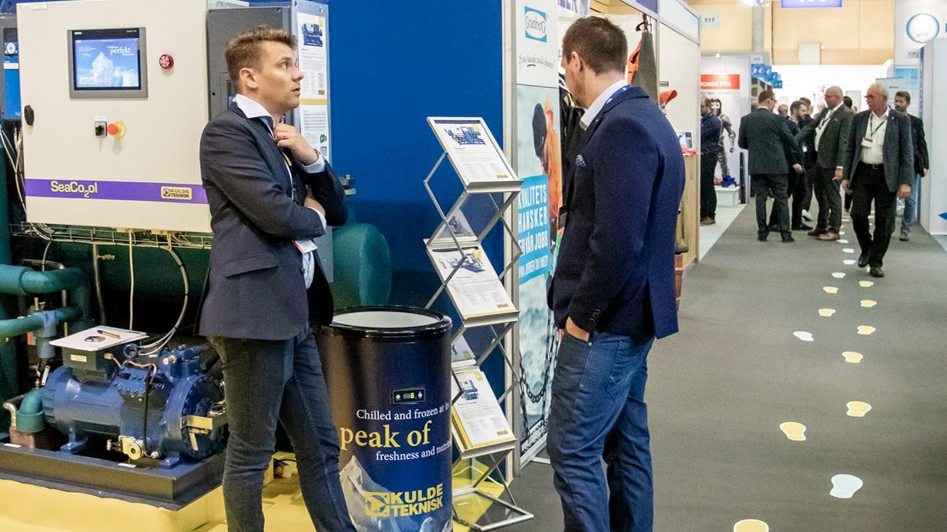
{"type": "Point", "coordinates": [575, 331]}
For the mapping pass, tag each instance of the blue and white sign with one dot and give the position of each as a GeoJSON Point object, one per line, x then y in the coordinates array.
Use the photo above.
{"type": "Point", "coordinates": [788, 4]}
{"type": "Point", "coordinates": [922, 28]}
{"type": "Point", "coordinates": [537, 43]}
{"type": "Point", "coordinates": [535, 21]}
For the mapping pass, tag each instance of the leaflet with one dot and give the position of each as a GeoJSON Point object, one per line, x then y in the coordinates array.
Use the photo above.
{"type": "Point", "coordinates": [477, 417]}
{"type": "Point", "coordinates": [475, 288]}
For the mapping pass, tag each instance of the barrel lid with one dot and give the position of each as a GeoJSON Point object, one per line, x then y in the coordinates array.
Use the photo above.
{"type": "Point", "coordinates": [388, 322]}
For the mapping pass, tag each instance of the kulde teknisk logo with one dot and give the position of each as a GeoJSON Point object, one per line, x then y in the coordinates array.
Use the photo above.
{"type": "Point", "coordinates": [535, 24]}
{"type": "Point", "coordinates": [405, 503]}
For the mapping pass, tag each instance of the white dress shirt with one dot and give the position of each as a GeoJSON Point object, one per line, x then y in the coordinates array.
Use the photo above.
{"type": "Point", "coordinates": [823, 123]}
{"type": "Point", "coordinates": [253, 110]}
{"type": "Point", "coordinates": [600, 102]}
{"type": "Point", "coordinates": [876, 132]}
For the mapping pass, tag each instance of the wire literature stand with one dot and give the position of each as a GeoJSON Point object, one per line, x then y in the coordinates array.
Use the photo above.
{"type": "Point", "coordinates": [481, 300]}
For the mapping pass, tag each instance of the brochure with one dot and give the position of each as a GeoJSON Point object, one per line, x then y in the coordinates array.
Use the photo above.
{"type": "Point", "coordinates": [476, 157]}
{"type": "Point", "coordinates": [475, 289]}
{"type": "Point", "coordinates": [477, 419]}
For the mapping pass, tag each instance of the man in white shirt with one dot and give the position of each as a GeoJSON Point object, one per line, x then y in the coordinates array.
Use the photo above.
{"type": "Point", "coordinates": [270, 194]}
{"type": "Point", "coordinates": [879, 167]}
{"type": "Point", "coordinates": [831, 130]}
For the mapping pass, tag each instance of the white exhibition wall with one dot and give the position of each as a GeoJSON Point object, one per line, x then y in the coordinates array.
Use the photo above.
{"type": "Point", "coordinates": [812, 80]}
{"type": "Point", "coordinates": [679, 67]}
{"type": "Point", "coordinates": [934, 89]}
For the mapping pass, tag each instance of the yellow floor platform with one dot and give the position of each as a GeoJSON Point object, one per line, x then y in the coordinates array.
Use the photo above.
{"type": "Point", "coordinates": [28, 508]}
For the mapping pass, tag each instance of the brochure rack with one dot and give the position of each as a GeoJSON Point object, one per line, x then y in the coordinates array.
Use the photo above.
{"type": "Point", "coordinates": [483, 303]}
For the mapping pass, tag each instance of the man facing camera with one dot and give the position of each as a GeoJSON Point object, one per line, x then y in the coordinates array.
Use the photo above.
{"type": "Point", "coordinates": [270, 194]}
{"type": "Point", "coordinates": [613, 290]}
{"type": "Point", "coordinates": [879, 168]}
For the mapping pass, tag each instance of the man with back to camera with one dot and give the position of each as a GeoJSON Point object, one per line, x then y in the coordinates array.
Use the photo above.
{"type": "Point", "coordinates": [270, 194]}
{"type": "Point", "coordinates": [902, 99]}
{"type": "Point", "coordinates": [772, 155]}
{"type": "Point", "coordinates": [613, 290]}
{"type": "Point", "coordinates": [830, 129]}
{"type": "Point", "coordinates": [879, 167]}
{"type": "Point", "coordinates": [795, 187]}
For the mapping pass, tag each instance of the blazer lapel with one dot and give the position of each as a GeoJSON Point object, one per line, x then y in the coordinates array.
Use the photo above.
{"type": "Point", "coordinates": [275, 159]}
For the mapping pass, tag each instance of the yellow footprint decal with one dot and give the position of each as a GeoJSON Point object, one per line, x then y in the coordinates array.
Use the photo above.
{"type": "Point", "coordinates": [751, 525]}
{"type": "Point", "coordinates": [857, 408]}
{"type": "Point", "coordinates": [852, 357]}
{"type": "Point", "coordinates": [868, 303]}
{"type": "Point", "coordinates": [830, 289]}
{"type": "Point", "coordinates": [865, 330]}
{"type": "Point", "coordinates": [866, 284]}
{"type": "Point", "coordinates": [794, 431]}
{"type": "Point", "coordinates": [826, 312]}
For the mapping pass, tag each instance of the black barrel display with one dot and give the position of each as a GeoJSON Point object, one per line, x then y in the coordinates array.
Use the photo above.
{"type": "Point", "coordinates": [388, 375]}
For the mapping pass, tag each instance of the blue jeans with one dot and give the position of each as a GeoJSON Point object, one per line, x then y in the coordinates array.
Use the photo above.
{"type": "Point", "coordinates": [910, 208]}
{"type": "Point", "coordinates": [266, 381]}
{"type": "Point", "coordinates": [598, 411]}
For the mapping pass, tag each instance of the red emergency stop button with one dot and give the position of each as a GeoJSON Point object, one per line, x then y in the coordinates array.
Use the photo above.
{"type": "Point", "coordinates": [166, 61]}
{"type": "Point", "coordinates": [117, 129]}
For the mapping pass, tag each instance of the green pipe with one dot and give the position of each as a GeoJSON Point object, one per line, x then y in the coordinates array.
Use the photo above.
{"type": "Point", "coordinates": [17, 326]}
{"type": "Point", "coordinates": [29, 418]}
{"type": "Point", "coordinates": [23, 281]}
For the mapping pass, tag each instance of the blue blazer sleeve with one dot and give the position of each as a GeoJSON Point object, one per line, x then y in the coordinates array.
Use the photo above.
{"type": "Point", "coordinates": [248, 183]}
{"type": "Point", "coordinates": [327, 190]}
{"type": "Point", "coordinates": [622, 204]}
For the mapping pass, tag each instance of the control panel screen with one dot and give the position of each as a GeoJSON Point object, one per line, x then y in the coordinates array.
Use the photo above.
{"type": "Point", "coordinates": [107, 62]}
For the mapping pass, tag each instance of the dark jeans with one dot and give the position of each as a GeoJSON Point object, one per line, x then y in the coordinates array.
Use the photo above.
{"type": "Point", "coordinates": [797, 188]}
{"type": "Point", "coordinates": [830, 200]}
{"type": "Point", "coordinates": [265, 381]}
{"type": "Point", "coordinates": [771, 185]}
{"type": "Point", "coordinates": [869, 185]}
{"type": "Point", "coordinates": [598, 411]}
{"type": "Point", "coordinates": [708, 196]}
{"type": "Point", "coordinates": [910, 207]}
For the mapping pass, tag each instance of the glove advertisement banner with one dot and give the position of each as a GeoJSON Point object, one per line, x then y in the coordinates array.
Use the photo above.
{"type": "Point", "coordinates": [538, 160]}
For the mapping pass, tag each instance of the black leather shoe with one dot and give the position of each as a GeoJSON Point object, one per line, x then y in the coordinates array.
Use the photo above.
{"type": "Point", "coordinates": [863, 260]}
{"type": "Point", "coordinates": [876, 271]}
{"type": "Point", "coordinates": [788, 238]}
{"type": "Point", "coordinates": [802, 227]}
{"type": "Point", "coordinates": [762, 237]}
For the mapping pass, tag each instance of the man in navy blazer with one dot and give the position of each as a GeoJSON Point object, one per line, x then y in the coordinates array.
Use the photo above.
{"type": "Point", "coordinates": [613, 289]}
{"type": "Point", "coordinates": [270, 194]}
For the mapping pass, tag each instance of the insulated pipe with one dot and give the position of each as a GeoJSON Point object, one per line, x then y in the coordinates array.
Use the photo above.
{"type": "Point", "coordinates": [17, 326]}
{"type": "Point", "coordinates": [23, 281]}
{"type": "Point", "coordinates": [9, 372]}
{"type": "Point", "coordinates": [29, 418]}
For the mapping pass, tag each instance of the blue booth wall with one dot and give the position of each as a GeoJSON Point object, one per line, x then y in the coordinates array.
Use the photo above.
{"type": "Point", "coordinates": [393, 64]}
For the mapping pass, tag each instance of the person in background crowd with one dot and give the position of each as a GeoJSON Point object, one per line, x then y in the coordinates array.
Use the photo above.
{"type": "Point", "coordinates": [922, 164]}
{"type": "Point", "coordinates": [830, 129]}
{"type": "Point", "coordinates": [772, 154]}
{"type": "Point", "coordinates": [810, 160]}
{"type": "Point", "coordinates": [726, 132]}
{"type": "Point", "coordinates": [879, 168]}
{"type": "Point", "coordinates": [710, 147]}
{"type": "Point", "coordinates": [783, 110]}
{"type": "Point", "coordinates": [612, 293]}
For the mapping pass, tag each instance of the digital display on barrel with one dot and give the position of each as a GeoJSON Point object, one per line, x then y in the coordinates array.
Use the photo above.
{"type": "Point", "coordinates": [413, 395]}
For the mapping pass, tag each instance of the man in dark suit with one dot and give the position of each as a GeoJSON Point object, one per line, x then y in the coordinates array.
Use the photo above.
{"type": "Point", "coordinates": [879, 167]}
{"type": "Point", "coordinates": [613, 290]}
{"type": "Point", "coordinates": [710, 148]}
{"type": "Point", "coordinates": [796, 188]}
{"type": "Point", "coordinates": [270, 194]}
{"type": "Point", "coordinates": [830, 130]}
{"type": "Point", "coordinates": [922, 164]}
{"type": "Point", "coordinates": [772, 154]}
